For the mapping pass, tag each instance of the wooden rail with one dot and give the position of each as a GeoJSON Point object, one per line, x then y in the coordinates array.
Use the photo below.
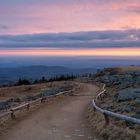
{"type": "Point", "coordinates": [27, 105]}
{"type": "Point", "coordinates": [108, 114]}
{"type": "Point", "coordinates": [99, 96]}
{"type": "Point", "coordinates": [5, 114]}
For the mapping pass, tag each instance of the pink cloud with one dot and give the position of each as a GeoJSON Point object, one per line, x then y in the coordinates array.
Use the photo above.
{"type": "Point", "coordinates": [69, 17]}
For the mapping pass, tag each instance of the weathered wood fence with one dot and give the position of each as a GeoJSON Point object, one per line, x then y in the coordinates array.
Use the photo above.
{"type": "Point", "coordinates": [12, 111]}
{"type": "Point", "coordinates": [108, 114]}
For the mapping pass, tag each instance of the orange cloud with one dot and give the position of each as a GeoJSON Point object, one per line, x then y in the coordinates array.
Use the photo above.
{"type": "Point", "coordinates": [73, 52]}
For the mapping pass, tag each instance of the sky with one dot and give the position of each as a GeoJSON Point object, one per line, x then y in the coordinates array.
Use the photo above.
{"type": "Point", "coordinates": [70, 28]}
{"type": "Point", "coordinates": [43, 16]}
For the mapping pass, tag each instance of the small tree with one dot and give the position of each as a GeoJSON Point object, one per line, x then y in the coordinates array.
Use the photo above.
{"type": "Point", "coordinates": [23, 82]}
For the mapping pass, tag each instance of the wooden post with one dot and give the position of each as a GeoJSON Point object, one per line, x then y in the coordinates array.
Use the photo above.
{"type": "Point", "coordinates": [28, 106]}
{"type": "Point", "coordinates": [101, 97]}
{"type": "Point", "coordinates": [94, 109]}
{"type": "Point", "coordinates": [12, 114]}
{"type": "Point", "coordinates": [42, 100]}
{"type": "Point", "coordinates": [105, 94]}
{"type": "Point", "coordinates": [106, 119]}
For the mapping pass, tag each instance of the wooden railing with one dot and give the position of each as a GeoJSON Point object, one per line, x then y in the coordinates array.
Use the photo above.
{"type": "Point", "coordinates": [99, 96]}
{"type": "Point", "coordinates": [108, 114]}
{"type": "Point", "coordinates": [27, 105]}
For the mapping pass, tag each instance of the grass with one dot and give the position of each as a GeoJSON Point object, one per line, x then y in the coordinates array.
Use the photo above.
{"type": "Point", "coordinates": [25, 90]}
{"type": "Point", "coordinates": [116, 130]}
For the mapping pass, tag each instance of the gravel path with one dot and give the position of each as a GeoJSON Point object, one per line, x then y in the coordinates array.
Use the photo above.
{"type": "Point", "coordinates": [64, 119]}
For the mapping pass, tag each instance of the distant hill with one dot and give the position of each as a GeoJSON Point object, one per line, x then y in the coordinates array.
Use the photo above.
{"type": "Point", "coordinates": [11, 75]}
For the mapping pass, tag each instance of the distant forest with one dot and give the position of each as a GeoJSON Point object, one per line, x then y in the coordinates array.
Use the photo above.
{"type": "Point", "coordinates": [45, 80]}
{"type": "Point", "coordinates": [24, 81]}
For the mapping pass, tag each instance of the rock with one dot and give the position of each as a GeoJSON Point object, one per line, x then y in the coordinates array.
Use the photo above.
{"type": "Point", "coordinates": [4, 105]}
{"type": "Point", "coordinates": [30, 98]}
{"type": "Point", "coordinates": [137, 116]}
{"type": "Point", "coordinates": [120, 79]}
{"type": "Point", "coordinates": [137, 100]}
{"type": "Point", "coordinates": [108, 106]}
{"type": "Point", "coordinates": [128, 94]}
{"type": "Point", "coordinates": [16, 99]}
{"type": "Point", "coordinates": [127, 108]}
{"type": "Point", "coordinates": [138, 111]}
{"type": "Point", "coordinates": [52, 91]}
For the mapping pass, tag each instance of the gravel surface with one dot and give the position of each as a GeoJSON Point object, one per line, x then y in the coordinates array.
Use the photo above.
{"type": "Point", "coordinates": [64, 119]}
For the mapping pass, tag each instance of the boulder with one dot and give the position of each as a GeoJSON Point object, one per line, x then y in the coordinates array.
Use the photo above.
{"type": "Point", "coordinates": [128, 94]}
{"type": "Point", "coordinates": [127, 109]}
{"type": "Point", "coordinates": [138, 111]}
{"type": "Point", "coordinates": [137, 116]}
{"type": "Point", "coordinates": [137, 100]}
{"type": "Point", "coordinates": [4, 105]}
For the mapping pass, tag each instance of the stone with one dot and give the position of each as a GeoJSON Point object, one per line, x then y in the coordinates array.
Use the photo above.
{"type": "Point", "coordinates": [4, 105]}
{"type": "Point", "coordinates": [137, 100]}
{"type": "Point", "coordinates": [127, 109]}
{"type": "Point", "coordinates": [128, 94]}
{"type": "Point", "coordinates": [138, 111]}
{"type": "Point", "coordinates": [137, 116]}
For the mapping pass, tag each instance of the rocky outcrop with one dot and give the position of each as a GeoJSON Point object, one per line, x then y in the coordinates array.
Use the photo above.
{"type": "Point", "coordinates": [127, 108]}
{"type": "Point", "coordinates": [121, 80]}
{"type": "Point", "coordinates": [128, 94]}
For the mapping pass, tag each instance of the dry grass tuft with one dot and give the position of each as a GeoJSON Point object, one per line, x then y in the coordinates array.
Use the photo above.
{"type": "Point", "coordinates": [116, 130]}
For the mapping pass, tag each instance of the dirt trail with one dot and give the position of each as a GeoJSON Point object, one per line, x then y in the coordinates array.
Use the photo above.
{"type": "Point", "coordinates": [62, 120]}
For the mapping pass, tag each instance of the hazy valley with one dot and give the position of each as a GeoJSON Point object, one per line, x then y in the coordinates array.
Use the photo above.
{"type": "Point", "coordinates": [11, 75]}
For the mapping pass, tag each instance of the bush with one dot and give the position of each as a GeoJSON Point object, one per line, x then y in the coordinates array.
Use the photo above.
{"type": "Point", "coordinates": [23, 82]}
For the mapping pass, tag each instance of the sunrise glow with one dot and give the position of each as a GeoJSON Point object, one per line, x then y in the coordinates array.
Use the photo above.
{"type": "Point", "coordinates": [72, 27]}
{"type": "Point", "coordinates": [73, 52]}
